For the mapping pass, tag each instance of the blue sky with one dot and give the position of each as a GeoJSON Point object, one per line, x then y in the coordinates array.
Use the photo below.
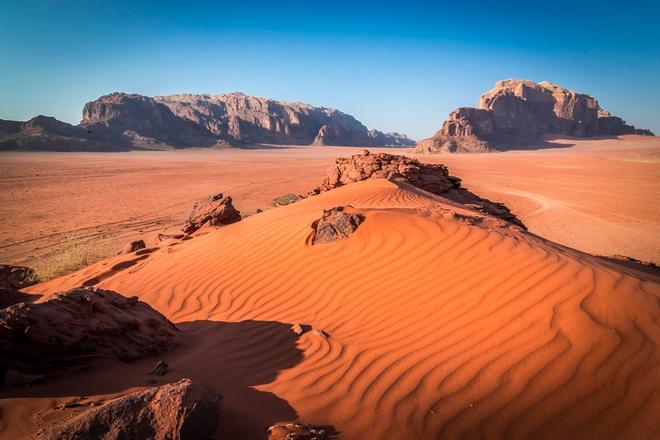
{"type": "Point", "coordinates": [396, 66]}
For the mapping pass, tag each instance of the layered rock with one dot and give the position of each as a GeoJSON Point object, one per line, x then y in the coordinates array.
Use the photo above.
{"type": "Point", "coordinates": [516, 112]}
{"type": "Point", "coordinates": [75, 327]}
{"type": "Point", "coordinates": [335, 224]}
{"type": "Point", "coordinates": [121, 121]}
{"type": "Point", "coordinates": [144, 122]}
{"type": "Point", "coordinates": [217, 210]}
{"type": "Point", "coordinates": [252, 120]}
{"type": "Point", "coordinates": [433, 178]}
{"type": "Point", "coordinates": [184, 410]}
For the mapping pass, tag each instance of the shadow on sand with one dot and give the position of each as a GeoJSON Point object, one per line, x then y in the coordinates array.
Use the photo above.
{"type": "Point", "coordinates": [230, 358]}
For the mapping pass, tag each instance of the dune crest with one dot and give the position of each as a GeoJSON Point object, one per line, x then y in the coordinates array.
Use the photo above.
{"type": "Point", "coordinates": [443, 320]}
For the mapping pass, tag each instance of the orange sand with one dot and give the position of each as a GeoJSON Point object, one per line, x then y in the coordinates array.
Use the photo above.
{"type": "Point", "coordinates": [600, 196]}
{"type": "Point", "coordinates": [438, 327]}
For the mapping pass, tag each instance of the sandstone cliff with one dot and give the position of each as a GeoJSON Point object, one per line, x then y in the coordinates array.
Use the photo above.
{"type": "Point", "coordinates": [249, 119]}
{"type": "Point", "coordinates": [121, 121]}
{"type": "Point", "coordinates": [516, 112]}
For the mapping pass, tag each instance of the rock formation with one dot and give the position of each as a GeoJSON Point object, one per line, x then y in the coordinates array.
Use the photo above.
{"type": "Point", "coordinates": [121, 121]}
{"type": "Point", "coordinates": [47, 133]}
{"type": "Point", "coordinates": [75, 327]}
{"type": "Point", "coordinates": [16, 277]}
{"type": "Point", "coordinates": [184, 410]}
{"type": "Point", "coordinates": [297, 431]}
{"type": "Point", "coordinates": [249, 119]}
{"type": "Point", "coordinates": [516, 112]}
{"type": "Point", "coordinates": [215, 211]}
{"type": "Point", "coordinates": [335, 224]}
{"type": "Point", "coordinates": [433, 178]}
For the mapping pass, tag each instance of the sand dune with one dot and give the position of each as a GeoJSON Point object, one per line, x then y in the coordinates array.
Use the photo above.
{"type": "Point", "coordinates": [441, 325]}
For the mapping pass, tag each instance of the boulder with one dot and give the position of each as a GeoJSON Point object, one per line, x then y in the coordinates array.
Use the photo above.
{"type": "Point", "coordinates": [516, 112]}
{"type": "Point", "coordinates": [217, 210]}
{"type": "Point", "coordinates": [73, 328]}
{"type": "Point", "coordinates": [133, 246]}
{"type": "Point", "coordinates": [285, 199]}
{"type": "Point", "coordinates": [335, 224]}
{"type": "Point", "coordinates": [297, 431]}
{"type": "Point", "coordinates": [16, 277]}
{"type": "Point", "coordinates": [184, 410]}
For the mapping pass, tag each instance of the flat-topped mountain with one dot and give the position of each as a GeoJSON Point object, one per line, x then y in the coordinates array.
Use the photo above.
{"type": "Point", "coordinates": [122, 121]}
{"type": "Point", "coordinates": [516, 112]}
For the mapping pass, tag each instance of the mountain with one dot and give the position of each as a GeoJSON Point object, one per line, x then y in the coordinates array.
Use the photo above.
{"type": "Point", "coordinates": [47, 133]}
{"type": "Point", "coordinates": [516, 112]}
{"type": "Point", "coordinates": [120, 121]}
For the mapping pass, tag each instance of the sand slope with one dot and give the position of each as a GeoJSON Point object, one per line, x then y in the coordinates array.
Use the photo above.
{"type": "Point", "coordinates": [440, 325]}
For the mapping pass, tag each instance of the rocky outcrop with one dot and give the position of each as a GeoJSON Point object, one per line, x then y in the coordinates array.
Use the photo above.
{"type": "Point", "coordinates": [144, 122]}
{"type": "Point", "coordinates": [335, 224]}
{"type": "Point", "coordinates": [75, 327]}
{"type": "Point", "coordinates": [16, 277]}
{"type": "Point", "coordinates": [253, 120]}
{"type": "Point", "coordinates": [217, 210]}
{"type": "Point", "coordinates": [184, 410]}
{"type": "Point", "coordinates": [121, 121]}
{"type": "Point", "coordinates": [516, 112]}
{"type": "Point", "coordinates": [297, 431]}
{"type": "Point", "coordinates": [133, 246]}
{"type": "Point", "coordinates": [47, 133]}
{"type": "Point", "coordinates": [433, 178]}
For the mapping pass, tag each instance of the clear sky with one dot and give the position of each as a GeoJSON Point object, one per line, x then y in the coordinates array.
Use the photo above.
{"type": "Point", "coordinates": [395, 65]}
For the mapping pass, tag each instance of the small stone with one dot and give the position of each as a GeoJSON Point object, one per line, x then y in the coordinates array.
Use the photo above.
{"type": "Point", "coordinates": [160, 369]}
{"type": "Point", "coordinates": [298, 329]}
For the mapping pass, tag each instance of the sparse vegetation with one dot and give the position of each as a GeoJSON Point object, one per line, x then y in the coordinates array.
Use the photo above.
{"type": "Point", "coordinates": [73, 254]}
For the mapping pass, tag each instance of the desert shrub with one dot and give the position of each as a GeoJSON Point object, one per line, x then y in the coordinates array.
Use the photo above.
{"type": "Point", "coordinates": [73, 254]}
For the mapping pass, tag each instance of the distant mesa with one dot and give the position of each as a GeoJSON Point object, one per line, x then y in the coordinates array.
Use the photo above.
{"type": "Point", "coordinates": [516, 112]}
{"type": "Point", "coordinates": [121, 121]}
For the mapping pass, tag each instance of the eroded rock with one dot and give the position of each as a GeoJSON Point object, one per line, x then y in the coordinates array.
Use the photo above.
{"type": "Point", "coordinates": [516, 112]}
{"type": "Point", "coordinates": [184, 410]}
{"type": "Point", "coordinates": [133, 246]}
{"type": "Point", "coordinates": [297, 431]}
{"type": "Point", "coordinates": [73, 328]}
{"type": "Point", "coordinates": [16, 277]}
{"type": "Point", "coordinates": [431, 177]}
{"type": "Point", "coordinates": [335, 224]}
{"type": "Point", "coordinates": [217, 210]}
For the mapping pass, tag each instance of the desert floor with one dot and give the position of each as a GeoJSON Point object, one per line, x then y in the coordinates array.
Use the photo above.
{"type": "Point", "coordinates": [599, 196]}
{"type": "Point", "coordinates": [442, 322]}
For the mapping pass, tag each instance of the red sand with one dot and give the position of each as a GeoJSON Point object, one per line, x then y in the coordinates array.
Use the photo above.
{"type": "Point", "coordinates": [438, 327]}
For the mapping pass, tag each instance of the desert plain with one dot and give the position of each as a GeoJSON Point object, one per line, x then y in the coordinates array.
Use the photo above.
{"type": "Point", "coordinates": [429, 321]}
{"type": "Point", "coordinates": [600, 196]}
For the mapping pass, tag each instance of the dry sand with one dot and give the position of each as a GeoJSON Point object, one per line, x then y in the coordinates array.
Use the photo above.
{"type": "Point", "coordinates": [438, 327]}
{"type": "Point", "coordinates": [600, 196]}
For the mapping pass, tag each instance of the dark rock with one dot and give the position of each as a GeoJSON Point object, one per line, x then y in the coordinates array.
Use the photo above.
{"type": "Point", "coordinates": [16, 277]}
{"type": "Point", "coordinates": [217, 210]}
{"type": "Point", "coordinates": [76, 327]}
{"type": "Point", "coordinates": [335, 224]}
{"type": "Point", "coordinates": [133, 246]}
{"type": "Point", "coordinates": [183, 410]}
{"type": "Point", "coordinates": [160, 369]}
{"type": "Point", "coordinates": [9, 297]}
